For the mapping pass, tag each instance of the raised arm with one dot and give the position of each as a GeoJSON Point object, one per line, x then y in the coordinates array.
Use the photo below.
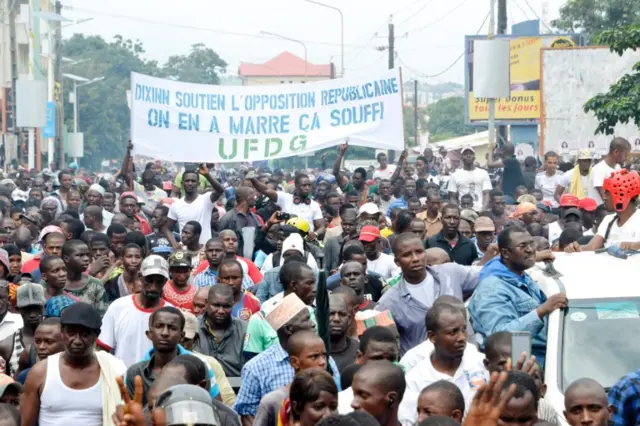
{"type": "Point", "coordinates": [218, 190]}
{"type": "Point", "coordinates": [340, 178]}
{"type": "Point", "coordinates": [491, 163]}
{"type": "Point", "coordinates": [272, 194]}
{"type": "Point", "coordinates": [401, 161]}
{"type": "Point", "coordinates": [126, 167]}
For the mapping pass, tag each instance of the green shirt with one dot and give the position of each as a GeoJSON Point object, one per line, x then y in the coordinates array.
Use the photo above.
{"type": "Point", "coordinates": [260, 335]}
{"type": "Point", "coordinates": [201, 186]}
{"type": "Point", "coordinates": [92, 293]}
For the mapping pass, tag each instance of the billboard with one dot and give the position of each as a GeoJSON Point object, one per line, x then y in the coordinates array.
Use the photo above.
{"type": "Point", "coordinates": [568, 82]}
{"type": "Point", "coordinates": [524, 74]}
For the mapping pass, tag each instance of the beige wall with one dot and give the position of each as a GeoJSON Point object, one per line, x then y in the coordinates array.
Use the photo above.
{"type": "Point", "coordinates": [257, 81]}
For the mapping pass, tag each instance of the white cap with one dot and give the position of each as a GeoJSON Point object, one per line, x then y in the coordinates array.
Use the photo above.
{"type": "Point", "coordinates": [293, 242]}
{"type": "Point", "coordinates": [369, 208]}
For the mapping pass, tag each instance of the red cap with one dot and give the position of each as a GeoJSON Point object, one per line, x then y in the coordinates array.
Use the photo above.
{"type": "Point", "coordinates": [588, 204]}
{"type": "Point", "coordinates": [369, 233]}
{"type": "Point", "coordinates": [569, 200]}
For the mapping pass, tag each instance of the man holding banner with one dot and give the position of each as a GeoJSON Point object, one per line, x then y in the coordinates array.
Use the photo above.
{"type": "Point", "coordinates": [193, 206]}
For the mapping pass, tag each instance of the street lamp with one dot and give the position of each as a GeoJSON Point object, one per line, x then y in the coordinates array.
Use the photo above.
{"type": "Point", "coordinates": [295, 41]}
{"type": "Point", "coordinates": [83, 82]}
{"type": "Point", "coordinates": [49, 17]}
{"type": "Point", "coordinates": [341, 32]}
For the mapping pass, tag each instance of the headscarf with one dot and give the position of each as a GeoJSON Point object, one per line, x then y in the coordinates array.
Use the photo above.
{"type": "Point", "coordinates": [51, 199]}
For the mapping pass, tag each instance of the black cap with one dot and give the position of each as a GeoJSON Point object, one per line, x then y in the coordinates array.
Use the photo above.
{"type": "Point", "coordinates": [82, 314]}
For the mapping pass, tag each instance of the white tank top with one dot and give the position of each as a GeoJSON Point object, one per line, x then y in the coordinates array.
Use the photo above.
{"type": "Point", "coordinates": [61, 405]}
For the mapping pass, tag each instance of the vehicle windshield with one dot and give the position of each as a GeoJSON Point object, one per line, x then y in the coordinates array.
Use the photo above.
{"type": "Point", "coordinates": [600, 340]}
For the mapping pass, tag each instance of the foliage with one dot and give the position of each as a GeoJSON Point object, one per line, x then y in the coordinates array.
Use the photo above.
{"type": "Point", "coordinates": [594, 16]}
{"type": "Point", "coordinates": [621, 104]}
{"type": "Point", "coordinates": [446, 117]}
{"type": "Point", "coordinates": [201, 65]}
{"type": "Point", "coordinates": [104, 116]}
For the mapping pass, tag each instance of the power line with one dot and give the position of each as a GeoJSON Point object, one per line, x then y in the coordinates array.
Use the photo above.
{"type": "Point", "coordinates": [439, 19]}
{"type": "Point", "coordinates": [524, 12]}
{"type": "Point", "coordinates": [452, 64]}
{"type": "Point", "coordinates": [367, 66]}
{"type": "Point", "coordinates": [416, 13]}
{"type": "Point", "coordinates": [536, 15]}
{"type": "Point", "coordinates": [194, 28]}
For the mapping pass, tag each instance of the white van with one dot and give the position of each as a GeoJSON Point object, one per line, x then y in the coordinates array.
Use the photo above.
{"type": "Point", "coordinates": [598, 335]}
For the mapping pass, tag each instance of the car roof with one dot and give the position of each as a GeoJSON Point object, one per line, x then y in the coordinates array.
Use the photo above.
{"type": "Point", "coordinates": [591, 275]}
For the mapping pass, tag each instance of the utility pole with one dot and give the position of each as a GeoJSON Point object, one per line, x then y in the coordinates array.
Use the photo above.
{"type": "Point", "coordinates": [502, 29]}
{"type": "Point", "coordinates": [15, 138]}
{"type": "Point", "coordinates": [415, 111]}
{"type": "Point", "coordinates": [392, 40]}
{"type": "Point", "coordinates": [492, 101]}
{"type": "Point", "coordinates": [59, 99]}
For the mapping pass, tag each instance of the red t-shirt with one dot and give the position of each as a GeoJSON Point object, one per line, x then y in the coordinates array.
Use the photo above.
{"type": "Point", "coordinates": [178, 298]}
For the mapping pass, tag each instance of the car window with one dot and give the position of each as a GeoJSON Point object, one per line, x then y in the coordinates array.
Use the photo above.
{"type": "Point", "coordinates": [600, 340]}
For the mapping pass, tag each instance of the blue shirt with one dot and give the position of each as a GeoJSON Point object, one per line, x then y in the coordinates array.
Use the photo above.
{"type": "Point", "coordinates": [505, 301]}
{"type": "Point", "coordinates": [214, 391]}
{"type": "Point", "coordinates": [209, 278]}
{"type": "Point", "coordinates": [398, 203]}
{"type": "Point", "coordinates": [624, 397]}
{"type": "Point", "coordinates": [265, 373]}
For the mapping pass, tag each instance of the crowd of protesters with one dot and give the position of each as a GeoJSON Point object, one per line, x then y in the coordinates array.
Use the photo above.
{"type": "Point", "coordinates": [310, 297]}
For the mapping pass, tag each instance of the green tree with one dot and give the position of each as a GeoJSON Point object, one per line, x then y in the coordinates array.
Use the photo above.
{"type": "Point", "coordinates": [591, 17]}
{"type": "Point", "coordinates": [102, 106]}
{"type": "Point", "coordinates": [621, 104]}
{"type": "Point", "coordinates": [446, 117]}
{"type": "Point", "coordinates": [104, 116]}
{"type": "Point", "coordinates": [201, 65]}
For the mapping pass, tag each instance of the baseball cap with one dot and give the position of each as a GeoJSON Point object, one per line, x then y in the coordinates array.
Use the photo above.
{"type": "Point", "coordinates": [588, 204]}
{"type": "Point", "coordinates": [50, 229]}
{"type": "Point", "coordinates": [484, 224]}
{"type": "Point", "coordinates": [571, 211]}
{"type": "Point", "coordinates": [129, 194]}
{"type": "Point", "coordinates": [569, 200]}
{"type": "Point", "coordinates": [585, 154]}
{"type": "Point", "coordinates": [368, 208]}
{"type": "Point", "coordinates": [469, 215]}
{"type": "Point", "coordinates": [467, 148]}
{"type": "Point", "coordinates": [188, 405]}
{"type": "Point", "coordinates": [369, 233]}
{"type": "Point", "coordinates": [180, 259]}
{"type": "Point", "coordinates": [154, 265]}
{"type": "Point", "coordinates": [526, 198]}
{"type": "Point", "coordinates": [82, 314]}
{"type": "Point", "coordinates": [29, 294]}
{"type": "Point", "coordinates": [523, 208]}
{"type": "Point", "coordinates": [293, 242]}
{"type": "Point", "coordinates": [7, 382]}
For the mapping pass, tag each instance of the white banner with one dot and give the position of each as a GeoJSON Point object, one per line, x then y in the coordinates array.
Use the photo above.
{"type": "Point", "coordinates": [189, 122]}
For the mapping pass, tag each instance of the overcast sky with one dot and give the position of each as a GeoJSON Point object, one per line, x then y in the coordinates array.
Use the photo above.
{"type": "Point", "coordinates": [430, 33]}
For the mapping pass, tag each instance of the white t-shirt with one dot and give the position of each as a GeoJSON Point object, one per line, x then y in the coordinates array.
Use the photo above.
{"type": "Point", "coordinates": [627, 233]}
{"type": "Point", "coordinates": [386, 173]}
{"type": "Point", "coordinates": [422, 292]}
{"type": "Point", "coordinates": [268, 263]}
{"type": "Point", "coordinates": [548, 184]}
{"type": "Point", "coordinates": [123, 329]}
{"type": "Point", "coordinates": [473, 182]}
{"type": "Point", "coordinates": [470, 375]}
{"type": "Point", "coordinates": [385, 265]}
{"type": "Point", "coordinates": [599, 173]}
{"type": "Point", "coordinates": [310, 212]}
{"type": "Point", "coordinates": [19, 194]}
{"type": "Point", "coordinates": [565, 181]}
{"type": "Point", "coordinates": [199, 210]}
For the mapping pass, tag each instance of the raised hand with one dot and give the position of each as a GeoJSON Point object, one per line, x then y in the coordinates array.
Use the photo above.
{"type": "Point", "coordinates": [489, 402]}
